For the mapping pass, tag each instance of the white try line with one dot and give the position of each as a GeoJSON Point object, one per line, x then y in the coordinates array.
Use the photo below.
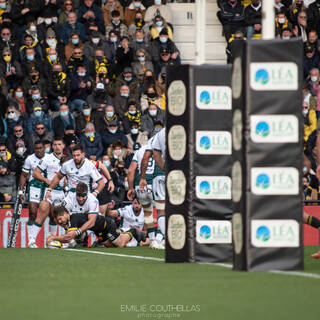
{"type": "Point", "coordinates": [223, 265]}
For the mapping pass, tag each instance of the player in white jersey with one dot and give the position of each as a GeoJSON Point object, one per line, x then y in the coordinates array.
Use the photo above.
{"type": "Point", "coordinates": [78, 169]}
{"type": "Point", "coordinates": [156, 148]}
{"type": "Point", "coordinates": [35, 187]}
{"type": "Point", "coordinates": [145, 197]}
{"type": "Point", "coordinates": [45, 171]}
{"type": "Point", "coordinates": [132, 216]}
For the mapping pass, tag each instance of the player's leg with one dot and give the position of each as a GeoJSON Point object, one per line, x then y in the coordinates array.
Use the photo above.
{"type": "Point", "coordinates": [311, 220]}
{"type": "Point", "coordinates": [34, 197]}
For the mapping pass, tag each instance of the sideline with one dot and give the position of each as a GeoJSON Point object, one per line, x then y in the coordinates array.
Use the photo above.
{"type": "Point", "coordinates": [223, 265]}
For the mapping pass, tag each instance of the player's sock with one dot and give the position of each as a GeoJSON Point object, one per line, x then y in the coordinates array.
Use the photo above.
{"type": "Point", "coordinates": [159, 236]}
{"type": "Point", "coordinates": [36, 227]}
{"type": "Point", "coordinates": [151, 233]}
{"type": "Point", "coordinates": [53, 228]}
{"type": "Point", "coordinates": [138, 235]}
{"type": "Point", "coordinates": [29, 229]}
{"type": "Point", "coordinates": [161, 224]}
{"type": "Point", "coordinates": [314, 222]}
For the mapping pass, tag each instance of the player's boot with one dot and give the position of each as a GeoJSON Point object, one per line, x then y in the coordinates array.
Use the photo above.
{"type": "Point", "coordinates": [138, 235]}
{"type": "Point", "coordinates": [153, 244]}
{"type": "Point", "coordinates": [32, 245]}
{"type": "Point", "coordinates": [316, 255]}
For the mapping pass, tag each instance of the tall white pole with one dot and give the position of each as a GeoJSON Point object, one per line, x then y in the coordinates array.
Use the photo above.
{"type": "Point", "coordinates": [268, 23]}
{"type": "Point", "coordinates": [200, 43]}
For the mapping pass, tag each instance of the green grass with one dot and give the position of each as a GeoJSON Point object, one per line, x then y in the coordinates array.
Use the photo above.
{"type": "Point", "coordinates": [58, 284]}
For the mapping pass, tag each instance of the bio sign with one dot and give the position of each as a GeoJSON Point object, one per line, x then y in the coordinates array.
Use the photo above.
{"type": "Point", "coordinates": [213, 142]}
{"type": "Point", "coordinates": [275, 233]}
{"type": "Point", "coordinates": [275, 181]}
{"type": "Point", "coordinates": [213, 97]}
{"type": "Point", "coordinates": [213, 231]}
{"type": "Point", "coordinates": [213, 187]}
{"type": "Point", "coordinates": [273, 76]}
{"type": "Point", "coordinates": [274, 128]}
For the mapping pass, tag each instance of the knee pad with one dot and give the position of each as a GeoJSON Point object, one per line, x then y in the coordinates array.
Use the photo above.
{"type": "Point", "coordinates": [148, 219]}
{"type": "Point", "coordinates": [160, 205]}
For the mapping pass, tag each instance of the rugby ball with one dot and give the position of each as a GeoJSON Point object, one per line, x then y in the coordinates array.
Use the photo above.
{"type": "Point", "coordinates": [54, 245]}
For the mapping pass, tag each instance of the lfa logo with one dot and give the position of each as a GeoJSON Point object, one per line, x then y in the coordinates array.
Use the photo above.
{"type": "Point", "coordinates": [213, 97]}
{"type": "Point", "coordinates": [213, 142]}
{"type": "Point", "coordinates": [213, 187]}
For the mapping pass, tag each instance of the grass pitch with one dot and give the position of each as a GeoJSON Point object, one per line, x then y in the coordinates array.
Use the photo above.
{"type": "Point", "coordinates": [67, 284]}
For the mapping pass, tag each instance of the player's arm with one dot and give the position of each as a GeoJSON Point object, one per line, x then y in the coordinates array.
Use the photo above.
{"type": "Point", "coordinates": [131, 172]}
{"type": "Point", "coordinates": [22, 183]}
{"type": "Point", "coordinates": [143, 169]}
{"type": "Point", "coordinates": [99, 188]}
{"type": "Point", "coordinates": [113, 213]}
{"type": "Point", "coordinates": [106, 173]}
{"type": "Point", "coordinates": [65, 238]}
{"type": "Point", "coordinates": [86, 226]}
{"type": "Point", "coordinates": [37, 175]}
{"type": "Point", "coordinates": [157, 155]}
{"type": "Point", "coordinates": [54, 182]}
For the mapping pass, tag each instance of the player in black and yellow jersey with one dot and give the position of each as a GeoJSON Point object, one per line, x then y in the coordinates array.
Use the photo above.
{"type": "Point", "coordinates": [104, 228]}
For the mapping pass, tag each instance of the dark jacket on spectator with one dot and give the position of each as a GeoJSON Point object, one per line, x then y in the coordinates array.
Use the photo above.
{"type": "Point", "coordinates": [66, 30]}
{"type": "Point", "coordinates": [229, 14]}
{"type": "Point", "coordinates": [109, 138]}
{"type": "Point", "coordinates": [33, 120]}
{"type": "Point", "coordinates": [252, 16]}
{"type": "Point", "coordinates": [59, 125]}
{"type": "Point", "coordinates": [92, 148]}
{"type": "Point", "coordinates": [12, 140]}
{"type": "Point", "coordinates": [148, 123]}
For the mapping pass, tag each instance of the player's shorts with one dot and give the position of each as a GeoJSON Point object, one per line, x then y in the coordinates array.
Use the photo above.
{"type": "Point", "coordinates": [110, 231]}
{"type": "Point", "coordinates": [158, 188]}
{"type": "Point", "coordinates": [104, 196]}
{"type": "Point", "coordinates": [133, 242]}
{"type": "Point", "coordinates": [57, 196]}
{"type": "Point", "coordinates": [35, 194]}
{"type": "Point", "coordinates": [145, 197]}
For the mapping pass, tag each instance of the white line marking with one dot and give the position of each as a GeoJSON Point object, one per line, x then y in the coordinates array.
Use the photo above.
{"type": "Point", "coordinates": [117, 254]}
{"type": "Point", "coordinates": [223, 265]}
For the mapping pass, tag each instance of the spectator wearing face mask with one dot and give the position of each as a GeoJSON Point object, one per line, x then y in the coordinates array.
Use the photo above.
{"type": "Point", "coordinates": [311, 59]}
{"type": "Point", "coordinates": [19, 136]}
{"type": "Point", "coordinates": [142, 65]}
{"type": "Point", "coordinates": [117, 24]}
{"type": "Point", "coordinates": [8, 188]}
{"type": "Point", "coordinates": [51, 59]}
{"type": "Point", "coordinates": [149, 96]}
{"type": "Point", "coordinates": [96, 43]}
{"type": "Point", "coordinates": [161, 8]}
{"type": "Point", "coordinates": [37, 98]}
{"type": "Point", "coordinates": [90, 13]}
{"type": "Point", "coordinates": [75, 44]}
{"type": "Point", "coordinates": [152, 117]}
{"type": "Point", "coordinates": [108, 7]}
{"type": "Point", "coordinates": [52, 42]}
{"type": "Point", "coordinates": [23, 12]}
{"type": "Point", "coordinates": [125, 79]}
{"type": "Point", "coordinates": [31, 62]}
{"type": "Point", "coordinates": [121, 100]}
{"type": "Point", "coordinates": [136, 136]}
{"type": "Point", "coordinates": [132, 115]}
{"type": "Point", "coordinates": [91, 142]}
{"type": "Point", "coordinates": [138, 42]}
{"type": "Point", "coordinates": [102, 116]}
{"type": "Point", "coordinates": [38, 116]}
{"type": "Point", "coordinates": [29, 42]}
{"type": "Point", "coordinates": [113, 43]}
{"type": "Point", "coordinates": [281, 23]}
{"type": "Point", "coordinates": [112, 134]}
{"type": "Point", "coordinates": [66, 7]}
{"type": "Point", "coordinates": [124, 56]}
{"type": "Point", "coordinates": [32, 30]}
{"type": "Point", "coordinates": [7, 41]}
{"type": "Point", "coordinates": [64, 119]}
{"type": "Point", "coordinates": [13, 117]}
{"type": "Point", "coordinates": [72, 26]}
{"type": "Point", "coordinates": [117, 152]}
{"type": "Point", "coordinates": [158, 24]}
{"type": "Point", "coordinates": [10, 70]}
{"type": "Point", "coordinates": [49, 22]}
{"type": "Point", "coordinates": [313, 81]}
{"type": "Point", "coordinates": [83, 119]}
{"type": "Point", "coordinates": [149, 78]}
{"type": "Point", "coordinates": [130, 12]}
{"type": "Point", "coordinates": [253, 19]}
{"type": "Point", "coordinates": [34, 80]}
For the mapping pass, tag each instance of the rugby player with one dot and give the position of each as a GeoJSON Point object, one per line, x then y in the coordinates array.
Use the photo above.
{"type": "Point", "coordinates": [35, 187]}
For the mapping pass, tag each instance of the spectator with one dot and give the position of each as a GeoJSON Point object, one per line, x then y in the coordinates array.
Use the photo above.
{"type": "Point", "coordinates": [7, 41]}
{"type": "Point", "coordinates": [230, 50]}
{"type": "Point", "coordinates": [59, 87]}
{"type": "Point", "coordinates": [23, 12]}
{"type": "Point", "coordinates": [37, 98]}
{"type": "Point", "coordinates": [51, 59]}
{"type": "Point", "coordinates": [310, 122]}
{"type": "Point", "coordinates": [121, 100]}
{"type": "Point", "coordinates": [74, 51]}
{"type": "Point", "coordinates": [99, 95]}
{"type": "Point", "coordinates": [91, 142]}
{"type": "Point", "coordinates": [313, 13]}
{"type": "Point", "coordinates": [31, 62]}
{"type": "Point", "coordinates": [52, 42]}
{"type": "Point", "coordinates": [32, 30]}
{"type": "Point", "coordinates": [41, 133]}
{"type": "Point", "coordinates": [83, 119]}
{"type": "Point", "coordinates": [19, 135]}
{"type": "Point", "coordinates": [34, 80]}
{"type": "Point", "coordinates": [100, 68]}
{"type": "Point", "coordinates": [126, 79]}
{"type": "Point", "coordinates": [72, 26]}
{"type": "Point", "coordinates": [64, 119]}
{"type": "Point", "coordinates": [313, 40]}
{"type": "Point", "coordinates": [18, 99]}
{"type": "Point", "coordinates": [6, 156]}
{"type": "Point", "coordinates": [10, 70]}
{"type": "Point", "coordinates": [157, 8]}
{"type": "Point", "coordinates": [89, 13]}
{"type": "Point", "coordinates": [117, 152]}
{"type": "Point", "coordinates": [286, 34]}
{"type": "Point", "coordinates": [148, 79]}
{"type": "Point", "coordinates": [112, 134]}
{"type": "Point", "coordinates": [80, 88]}
{"type": "Point", "coordinates": [67, 7]}
{"type": "Point", "coordinates": [310, 59]}
{"type": "Point", "coordinates": [139, 42]}
{"type": "Point", "coordinates": [94, 44]}
{"type": "Point", "coordinates": [113, 44]}
{"type": "Point", "coordinates": [29, 42]}
{"type": "Point", "coordinates": [38, 116]}
{"type": "Point", "coordinates": [49, 22]}
{"type": "Point", "coordinates": [69, 137]}
{"type": "Point", "coordinates": [232, 17]}
{"type": "Point", "coordinates": [313, 82]}
{"type": "Point", "coordinates": [108, 8]}
{"type": "Point", "coordinates": [130, 12]}
{"type": "Point", "coordinates": [132, 115]}
{"type": "Point", "coordinates": [102, 116]}
{"type": "Point", "coordinates": [300, 28]}
{"type": "Point", "coordinates": [13, 117]}
{"type": "Point", "coordinates": [124, 56]}
{"type": "Point", "coordinates": [152, 117]}
{"type": "Point", "coordinates": [253, 19]}
{"type": "Point", "coordinates": [3, 128]}
{"type": "Point", "coordinates": [149, 96]}
{"type": "Point", "coordinates": [294, 10]}
{"type": "Point", "coordinates": [158, 24]}
{"type": "Point", "coordinates": [142, 65]}
{"type": "Point", "coordinates": [8, 188]}
{"type": "Point", "coordinates": [116, 24]}
{"type": "Point", "coordinates": [136, 136]}
{"type": "Point", "coordinates": [281, 23]}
